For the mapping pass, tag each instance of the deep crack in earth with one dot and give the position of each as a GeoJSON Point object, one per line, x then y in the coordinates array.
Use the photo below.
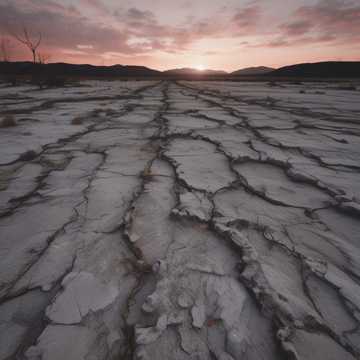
{"type": "Point", "coordinates": [180, 220]}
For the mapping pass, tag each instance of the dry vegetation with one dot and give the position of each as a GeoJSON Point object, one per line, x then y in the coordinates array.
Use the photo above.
{"type": "Point", "coordinates": [8, 121]}
{"type": "Point", "coordinates": [77, 120]}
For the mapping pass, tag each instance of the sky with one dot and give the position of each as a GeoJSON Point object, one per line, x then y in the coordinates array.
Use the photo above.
{"type": "Point", "coordinates": [165, 34]}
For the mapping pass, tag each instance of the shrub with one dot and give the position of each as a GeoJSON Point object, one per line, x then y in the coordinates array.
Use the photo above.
{"type": "Point", "coordinates": [8, 121]}
{"type": "Point", "coordinates": [147, 172]}
{"type": "Point", "coordinates": [55, 81]}
{"type": "Point", "coordinates": [47, 81]}
{"type": "Point", "coordinates": [347, 87]}
{"type": "Point", "coordinates": [12, 80]}
{"type": "Point", "coordinates": [77, 121]}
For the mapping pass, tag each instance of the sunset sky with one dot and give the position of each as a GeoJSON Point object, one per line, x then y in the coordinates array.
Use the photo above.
{"type": "Point", "coordinates": [164, 34]}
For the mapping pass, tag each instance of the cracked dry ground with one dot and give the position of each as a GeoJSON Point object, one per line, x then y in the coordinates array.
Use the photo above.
{"type": "Point", "coordinates": [180, 221]}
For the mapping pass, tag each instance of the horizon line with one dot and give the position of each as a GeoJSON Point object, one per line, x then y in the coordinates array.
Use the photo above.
{"type": "Point", "coordinates": [205, 69]}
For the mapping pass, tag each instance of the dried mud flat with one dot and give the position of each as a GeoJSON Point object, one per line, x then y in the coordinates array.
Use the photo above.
{"type": "Point", "coordinates": [189, 220]}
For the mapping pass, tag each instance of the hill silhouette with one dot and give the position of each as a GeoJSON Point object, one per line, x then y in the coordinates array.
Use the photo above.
{"type": "Point", "coordinates": [83, 70]}
{"type": "Point", "coordinates": [194, 72]}
{"type": "Point", "coordinates": [257, 70]}
{"type": "Point", "coordinates": [329, 69]}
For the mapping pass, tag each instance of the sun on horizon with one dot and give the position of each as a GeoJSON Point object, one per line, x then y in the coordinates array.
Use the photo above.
{"type": "Point", "coordinates": [199, 67]}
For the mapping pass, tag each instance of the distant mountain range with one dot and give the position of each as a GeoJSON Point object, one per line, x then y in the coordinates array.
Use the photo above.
{"type": "Point", "coordinates": [63, 69]}
{"type": "Point", "coordinates": [194, 72]}
{"type": "Point", "coordinates": [259, 70]}
{"type": "Point", "coordinates": [330, 69]}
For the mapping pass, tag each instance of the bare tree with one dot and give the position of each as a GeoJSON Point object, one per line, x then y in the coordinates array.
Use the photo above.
{"type": "Point", "coordinates": [32, 44]}
{"type": "Point", "coordinates": [43, 58]}
{"type": "Point", "coordinates": [5, 49]}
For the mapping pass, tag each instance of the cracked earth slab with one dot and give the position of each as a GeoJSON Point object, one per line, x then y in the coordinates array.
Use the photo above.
{"type": "Point", "coordinates": [207, 220]}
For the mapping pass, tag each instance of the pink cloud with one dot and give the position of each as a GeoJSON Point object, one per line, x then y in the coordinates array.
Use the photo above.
{"type": "Point", "coordinates": [247, 18]}
{"type": "Point", "coordinates": [136, 33]}
{"type": "Point", "coordinates": [326, 21]}
{"type": "Point", "coordinates": [295, 28]}
{"type": "Point", "coordinates": [97, 5]}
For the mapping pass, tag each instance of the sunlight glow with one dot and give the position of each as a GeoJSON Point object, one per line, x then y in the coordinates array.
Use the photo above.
{"type": "Point", "coordinates": [200, 67]}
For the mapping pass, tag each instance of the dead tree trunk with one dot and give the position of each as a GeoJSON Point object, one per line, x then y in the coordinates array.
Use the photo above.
{"type": "Point", "coordinates": [31, 44]}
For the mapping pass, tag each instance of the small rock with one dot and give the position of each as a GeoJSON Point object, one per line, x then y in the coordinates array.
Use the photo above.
{"type": "Point", "coordinates": [198, 315]}
{"type": "Point", "coordinates": [185, 301]}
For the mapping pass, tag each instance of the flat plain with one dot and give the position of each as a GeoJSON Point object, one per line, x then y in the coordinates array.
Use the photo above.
{"type": "Point", "coordinates": [180, 220]}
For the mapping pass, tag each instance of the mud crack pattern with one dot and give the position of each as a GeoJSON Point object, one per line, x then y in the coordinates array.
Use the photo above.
{"type": "Point", "coordinates": [180, 220]}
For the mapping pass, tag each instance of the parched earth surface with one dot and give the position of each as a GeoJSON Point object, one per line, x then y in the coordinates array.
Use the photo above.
{"type": "Point", "coordinates": [190, 220]}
